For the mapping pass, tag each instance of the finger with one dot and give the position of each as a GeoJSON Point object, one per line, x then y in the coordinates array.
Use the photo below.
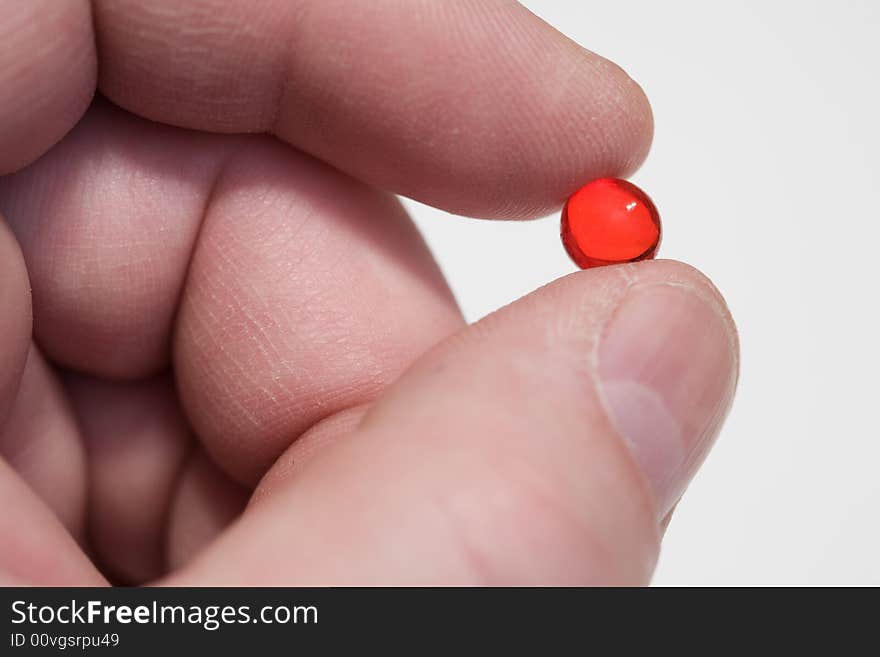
{"type": "Point", "coordinates": [542, 446]}
{"type": "Point", "coordinates": [309, 307]}
{"type": "Point", "coordinates": [107, 221]}
{"type": "Point", "coordinates": [479, 108]}
{"type": "Point", "coordinates": [47, 75]}
{"type": "Point", "coordinates": [137, 440]}
{"type": "Point", "coordinates": [205, 502]}
{"type": "Point", "coordinates": [42, 444]}
{"type": "Point", "coordinates": [36, 548]}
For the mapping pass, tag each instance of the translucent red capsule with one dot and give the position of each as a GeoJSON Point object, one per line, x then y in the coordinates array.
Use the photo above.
{"type": "Point", "coordinates": [610, 221]}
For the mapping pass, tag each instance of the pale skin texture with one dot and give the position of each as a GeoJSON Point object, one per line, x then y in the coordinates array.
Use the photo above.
{"type": "Point", "coordinates": [197, 320]}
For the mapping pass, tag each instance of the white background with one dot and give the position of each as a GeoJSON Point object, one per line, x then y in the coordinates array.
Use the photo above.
{"type": "Point", "coordinates": [765, 169]}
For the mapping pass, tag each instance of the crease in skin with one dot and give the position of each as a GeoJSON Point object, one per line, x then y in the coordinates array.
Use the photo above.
{"type": "Point", "coordinates": [231, 155]}
{"type": "Point", "coordinates": [334, 427]}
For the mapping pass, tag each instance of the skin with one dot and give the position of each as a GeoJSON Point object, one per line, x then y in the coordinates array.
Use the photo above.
{"type": "Point", "coordinates": [226, 355]}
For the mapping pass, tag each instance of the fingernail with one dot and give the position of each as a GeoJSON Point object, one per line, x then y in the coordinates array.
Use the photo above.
{"type": "Point", "coordinates": [667, 366]}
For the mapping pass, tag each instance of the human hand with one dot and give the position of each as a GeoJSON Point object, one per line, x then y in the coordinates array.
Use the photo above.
{"type": "Point", "coordinates": [221, 316]}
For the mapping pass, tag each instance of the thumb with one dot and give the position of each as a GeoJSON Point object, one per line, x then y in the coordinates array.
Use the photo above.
{"type": "Point", "coordinates": [543, 445]}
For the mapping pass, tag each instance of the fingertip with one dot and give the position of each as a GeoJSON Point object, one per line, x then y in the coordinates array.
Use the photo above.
{"type": "Point", "coordinates": [547, 117]}
{"type": "Point", "coordinates": [676, 272]}
{"type": "Point", "coordinates": [641, 125]}
{"type": "Point", "coordinates": [571, 115]}
{"type": "Point", "coordinates": [666, 362]}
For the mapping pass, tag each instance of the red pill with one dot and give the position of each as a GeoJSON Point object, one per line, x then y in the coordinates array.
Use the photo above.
{"type": "Point", "coordinates": [610, 221]}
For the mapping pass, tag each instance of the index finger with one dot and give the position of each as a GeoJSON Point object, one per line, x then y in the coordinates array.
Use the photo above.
{"type": "Point", "coordinates": [476, 107]}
